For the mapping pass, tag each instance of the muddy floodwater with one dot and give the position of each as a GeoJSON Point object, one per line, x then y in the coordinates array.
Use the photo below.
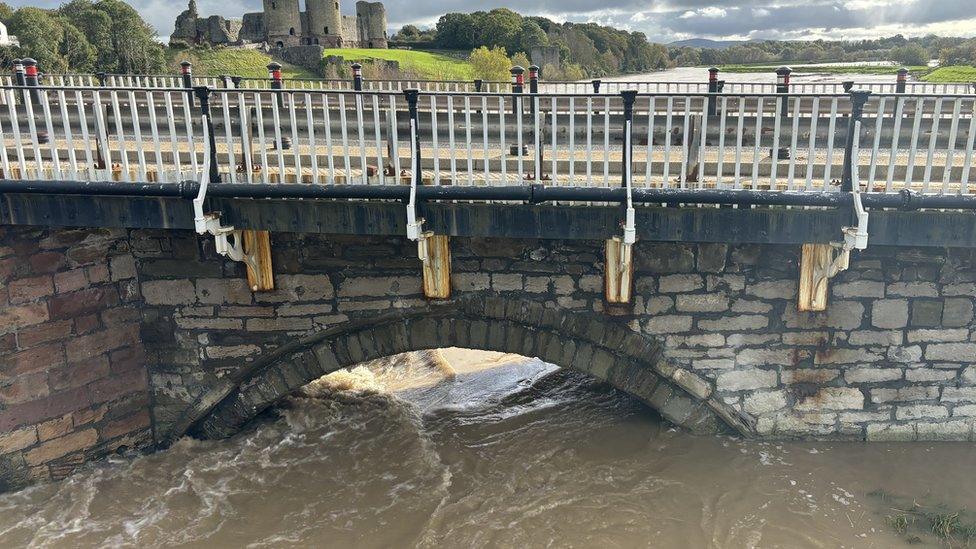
{"type": "Point", "coordinates": [469, 449]}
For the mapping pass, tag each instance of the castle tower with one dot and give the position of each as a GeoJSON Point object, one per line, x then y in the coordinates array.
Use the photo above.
{"type": "Point", "coordinates": [371, 24]}
{"type": "Point", "coordinates": [282, 22]}
{"type": "Point", "coordinates": [324, 22]}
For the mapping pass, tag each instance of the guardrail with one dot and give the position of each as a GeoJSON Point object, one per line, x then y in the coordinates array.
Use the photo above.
{"type": "Point", "coordinates": [759, 142]}
{"type": "Point", "coordinates": [186, 79]}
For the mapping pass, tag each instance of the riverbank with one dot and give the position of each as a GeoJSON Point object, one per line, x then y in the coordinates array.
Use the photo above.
{"type": "Point", "coordinates": [919, 72]}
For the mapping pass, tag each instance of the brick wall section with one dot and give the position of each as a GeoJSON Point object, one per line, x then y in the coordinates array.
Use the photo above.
{"type": "Point", "coordinates": [73, 382]}
{"type": "Point", "coordinates": [892, 358]}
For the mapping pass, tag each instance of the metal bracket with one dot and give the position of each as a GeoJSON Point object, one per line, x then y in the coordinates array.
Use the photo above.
{"type": "Point", "coordinates": [228, 241]}
{"type": "Point", "coordinates": [415, 225]}
{"type": "Point", "coordinates": [855, 238]}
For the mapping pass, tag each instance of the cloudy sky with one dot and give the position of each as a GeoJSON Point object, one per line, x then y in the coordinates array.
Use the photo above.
{"type": "Point", "coordinates": [661, 20]}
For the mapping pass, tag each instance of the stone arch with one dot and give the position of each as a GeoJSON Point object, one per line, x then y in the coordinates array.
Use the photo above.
{"type": "Point", "coordinates": [588, 342]}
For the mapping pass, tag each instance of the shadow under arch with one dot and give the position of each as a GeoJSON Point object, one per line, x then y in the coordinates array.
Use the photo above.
{"type": "Point", "coordinates": [584, 341]}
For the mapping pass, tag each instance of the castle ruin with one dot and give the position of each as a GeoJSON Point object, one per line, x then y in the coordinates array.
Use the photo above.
{"type": "Point", "coordinates": [282, 24]}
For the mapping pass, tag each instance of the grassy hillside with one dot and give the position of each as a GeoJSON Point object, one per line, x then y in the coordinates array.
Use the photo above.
{"type": "Point", "coordinates": [434, 66]}
{"type": "Point", "coordinates": [240, 62]}
{"type": "Point", "coordinates": [951, 74]}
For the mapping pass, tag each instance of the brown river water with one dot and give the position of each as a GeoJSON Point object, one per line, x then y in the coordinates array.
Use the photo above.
{"type": "Point", "coordinates": [467, 449]}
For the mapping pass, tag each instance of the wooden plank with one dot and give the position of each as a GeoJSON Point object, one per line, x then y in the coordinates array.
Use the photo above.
{"type": "Point", "coordinates": [258, 244]}
{"type": "Point", "coordinates": [618, 283]}
{"type": "Point", "coordinates": [437, 268]}
{"type": "Point", "coordinates": [814, 261]}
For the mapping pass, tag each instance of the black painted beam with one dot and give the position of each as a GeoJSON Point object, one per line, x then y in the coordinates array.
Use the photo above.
{"type": "Point", "coordinates": [761, 225]}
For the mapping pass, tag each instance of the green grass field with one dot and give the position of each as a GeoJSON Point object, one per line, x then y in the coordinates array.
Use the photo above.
{"type": "Point", "coordinates": [430, 65]}
{"type": "Point", "coordinates": [951, 74]}
{"type": "Point", "coordinates": [235, 61]}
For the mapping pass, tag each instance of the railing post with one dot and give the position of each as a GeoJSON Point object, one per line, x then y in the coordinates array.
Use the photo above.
{"type": "Point", "coordinates": [203, 94]}
{"type": "Point", "coordinates": [30, 77]}
{"type": "Point", "coordinates": [274, 75]}
{"type": "Point", "coordinates": [858, 99]}
{"type": "Point", "coordinates": [357, 77]}
{"type": "Point", "coordinates": [538, 135]}
{"type": "Point", "coordinates": [782, 89]}
{"type": "Point", "coordinates": [518, 79]}
{"type": "Point", "coordinates": [901, 80]}
{"type": "Point", "coordinates": [478, 83]}
{"type": "Point", "coordinates": [629, 97]}
{"type": "Point", "coordinates": [31, 80]}
{"type": "Point", "coordinates": [712, 89]}
{"type": "Point", "coordinates": [19, 77]}
{"type": "Point", "coordinates": [596, 85]}
{"type": "Point", "coordinates": [518, 88]}
{"type": "Point", "coordinates": [412, 96]}
{"type": "Point", "coordinates": [225, 78]}
{"type": "Point", "coordinates": [186, 71]}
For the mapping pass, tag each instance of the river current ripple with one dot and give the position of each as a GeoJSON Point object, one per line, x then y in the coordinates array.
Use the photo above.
{"type": "Point", "coordinates": [469, 449]}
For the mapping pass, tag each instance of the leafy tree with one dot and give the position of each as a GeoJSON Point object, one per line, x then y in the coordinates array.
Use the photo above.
{"type": "Point", "coordinates": [408, 32]}
{"type": "Point", "coordinates": [910, 54]}
{"type": "Point", "coordinates": [40, 36]}
{"type": "Point", "coordinates": [521, 60]}
{"type": "Point", "coordinates": [529, 36]}
{"type": "Point", "coordinates": [499, 27]}
{"type": "Point", "coordinates": [456, 31]}
{"type": "Point", "coordinates": [6, 12]}
{"type": "Point", "coordinates": [124, 42]}
{"type": "Point", "coordinates": [490, 64]}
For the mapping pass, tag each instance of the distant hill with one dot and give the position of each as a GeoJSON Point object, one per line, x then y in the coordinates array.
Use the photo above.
{"type": "Point", "coordinates": [705, 43]}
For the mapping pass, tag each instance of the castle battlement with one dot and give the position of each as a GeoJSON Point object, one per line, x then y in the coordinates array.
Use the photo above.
{"type": "Point", "coordinates": [281, 23]}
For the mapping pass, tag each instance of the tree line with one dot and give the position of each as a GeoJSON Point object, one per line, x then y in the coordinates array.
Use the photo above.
{"type": "Point", "coordinates": [584, 48]}
{"type": "Point", "coordinates": [906, 51]}
{"type": "Point", "coordinates": [83, 36]}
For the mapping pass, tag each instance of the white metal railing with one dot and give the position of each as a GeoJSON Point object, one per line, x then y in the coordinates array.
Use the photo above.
{"type": "Point", "coordinates": [764, 141]}
{"type": "Point", "coordinates": [610, 86]}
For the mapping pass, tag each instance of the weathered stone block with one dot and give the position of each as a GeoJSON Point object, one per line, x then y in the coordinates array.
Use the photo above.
{"type": "Point", "coordinates": [920, 411]}
{"type": "Point", "coordinates": [870, 337]}
{"type": "Point", "coordinates": [945, 430]}
{"type": "Point", "coordinates": [889, 313]}
{"type": "Point", "coordinates": [959, 394]}
{"type": "Point", "coordinates": [832, 398]}
{"type": "Point", "coordinates": [764, 402]}
{"type": "Point", "coordinates": [926, 312]}
{"type": "Point", "coordinates": [957, 312]}
{"type": "Point", "coordinates": [668, 324]}
{"type": "Point", "coordinates": [733, 323]}
{"type": "Point", "coordinates": [220, 291]}
{"type": "Point", "coordinates": [886, 432]}
{"type": "Point", "coordinates": [778, 289]}
{"type": "Point", "coordinates": [951, 352]}
{"type": "Point", "coordinates": [169, 292]}
{"type": "Point", "coordinates": [872, 375]}
{"type": "Point", "coordinates": [937, 336]}
{"type": "Point", "coordinates": [702, 303]}
{"type": "Point", "coordinates": [680, 283]}
{"type": "Point", "coordinates": [913, 289]}
{"type": "Point", "coordinates": [744, 380]}
{"type": "Point", "coordinates": [859, 288]}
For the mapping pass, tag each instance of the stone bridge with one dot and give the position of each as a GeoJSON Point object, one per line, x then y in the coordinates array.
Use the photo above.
{"type": "Point", "coordinates": [793, 263]}
{"type": "Point", "coordinates": [131, 338]}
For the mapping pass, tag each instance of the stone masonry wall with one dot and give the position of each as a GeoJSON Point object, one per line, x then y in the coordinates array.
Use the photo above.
{"type": "Point", "coordinates": [73, 382]}
{"type": "Point", "coordinates": [891, 359]}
